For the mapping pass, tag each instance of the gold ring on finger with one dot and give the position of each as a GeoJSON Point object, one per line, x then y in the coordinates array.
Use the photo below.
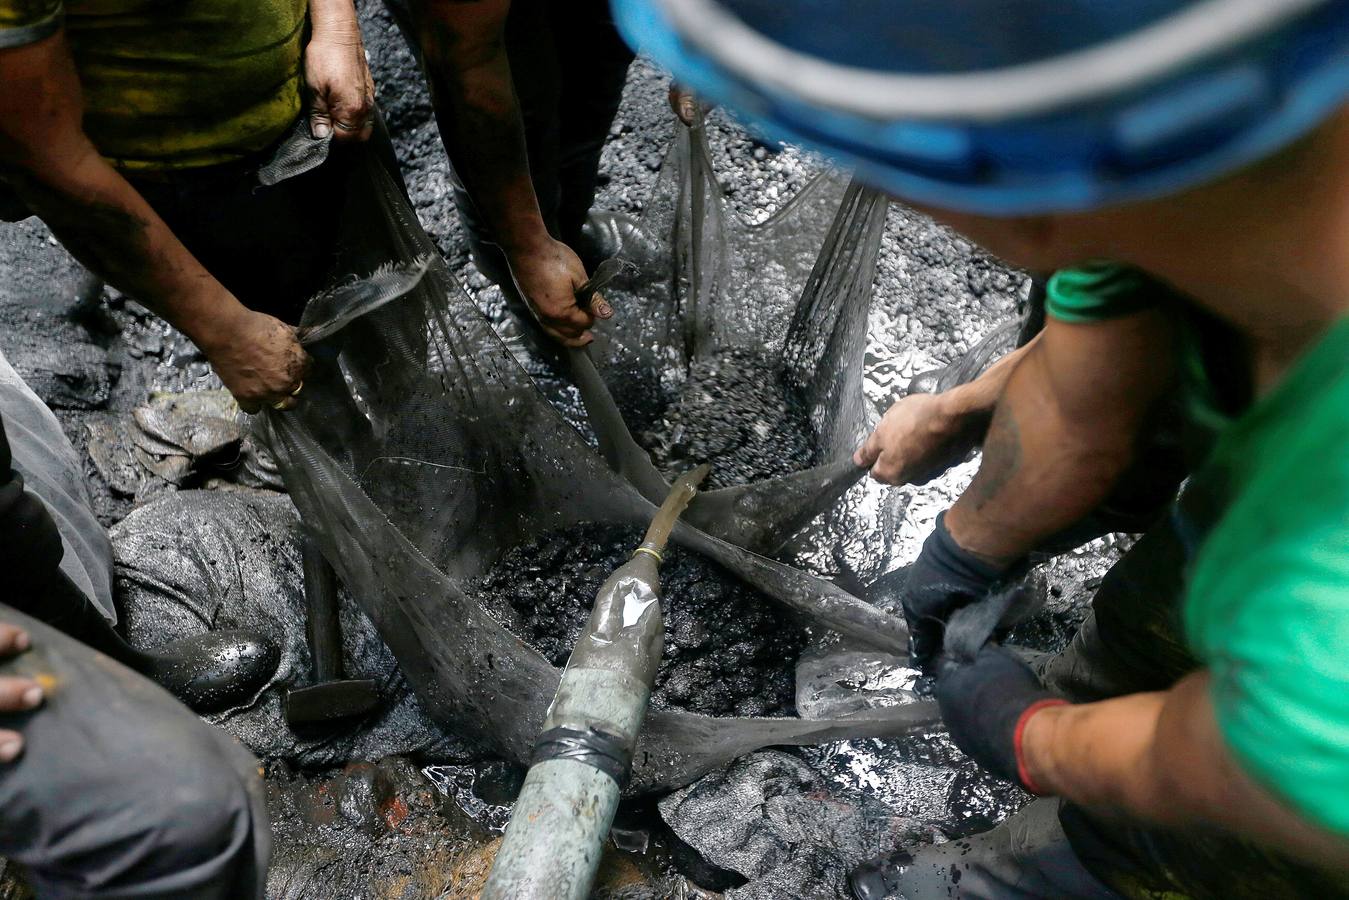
{"type": "Point", "coordinates": [298, 388]}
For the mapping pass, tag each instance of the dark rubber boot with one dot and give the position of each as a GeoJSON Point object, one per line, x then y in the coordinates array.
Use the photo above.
{"type": "Point", "coordinates": [875, 879]}
{"type": "Point", "coordinates": [208, 672]}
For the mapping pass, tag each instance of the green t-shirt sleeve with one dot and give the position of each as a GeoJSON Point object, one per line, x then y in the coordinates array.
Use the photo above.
{"type": "Point", "coordinates": [1267, 608]}
{"type": "Point", "coordinates": [1280, 689]}
{"type": "Point", "coordinates": [25, 22]}
{"type": "Point", "coordinates": [1095, 292]}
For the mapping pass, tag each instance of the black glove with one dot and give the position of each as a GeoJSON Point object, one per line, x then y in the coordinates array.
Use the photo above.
{"type": "Point", "coordinates": [985, 702]}
{"type": "Point", "coordinates": [944, 578]}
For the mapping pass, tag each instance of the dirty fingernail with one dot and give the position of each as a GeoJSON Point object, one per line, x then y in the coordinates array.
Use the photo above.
{"type": "Point", "coordinates": [9, 749]}
{"type": "Point", "coordinates": [32, 697]}
{"type": "Point", "coordinates": [603, 310]}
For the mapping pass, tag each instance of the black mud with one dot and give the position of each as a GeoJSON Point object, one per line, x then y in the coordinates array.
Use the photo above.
{"type": "Point", "coordinates": [736, 412]}
{"type": "Point", "coordinates": [729, 650]}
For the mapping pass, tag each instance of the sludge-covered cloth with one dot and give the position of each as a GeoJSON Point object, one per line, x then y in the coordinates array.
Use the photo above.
{"type": "Point", "coordinates": [422, 451]}
{"type": "Point", "coordinates": [121, 790]}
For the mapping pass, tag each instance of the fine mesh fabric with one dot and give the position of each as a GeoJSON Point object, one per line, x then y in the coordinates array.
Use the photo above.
{"type": "Point", "coordinates": [696, 282]}
{"type": "Point", "coordinates": [421, 451]}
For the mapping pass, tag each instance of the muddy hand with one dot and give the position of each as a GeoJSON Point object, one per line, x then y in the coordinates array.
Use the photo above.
{"type": "Point", "coordinates": [916, 441]}
{"type": "Point", "coordinates": [683, 103]}
{"type": "Point", "coordinates": [260, 361]}
{"type": "Point", "coordinates": [16, 694]}
{"type": "Point", "coordinates": [341, 91]}
{"type": "Point", "coordinates": [549, 278]}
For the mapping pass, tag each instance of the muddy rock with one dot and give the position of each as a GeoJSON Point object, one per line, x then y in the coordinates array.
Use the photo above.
{"type": "Point", "coordinates": [834, 679]}
{"type": "Point", "coordinates": [198, 560]}
{"type": "Point", "coordinates": [728, 649]}
{"type": "Point", "coordinates": [368, 830]}
{"type": "Point", "coordinates": [65, 374]}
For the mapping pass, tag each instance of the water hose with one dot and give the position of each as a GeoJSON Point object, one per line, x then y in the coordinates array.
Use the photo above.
{"type": "Point", "coordinates": [581, 759]}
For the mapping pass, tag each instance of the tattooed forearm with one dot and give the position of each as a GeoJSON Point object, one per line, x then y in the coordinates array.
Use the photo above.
{"type": "Point", "coordinates": [1001, 460]}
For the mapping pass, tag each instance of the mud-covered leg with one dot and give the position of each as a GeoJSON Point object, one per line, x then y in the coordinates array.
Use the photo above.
{"type": "Point", "coordinates": [1130, 641]}
{"type": "Point", "coordinates": [1027, 857]}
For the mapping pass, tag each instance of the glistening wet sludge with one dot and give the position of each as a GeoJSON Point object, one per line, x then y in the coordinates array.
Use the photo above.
{"type": "Point", "coordinates": [934, 296]}
{"type": "Point", "coordinates": [735, 411]}
{"type": "Point", "coordinates": [729, 650]}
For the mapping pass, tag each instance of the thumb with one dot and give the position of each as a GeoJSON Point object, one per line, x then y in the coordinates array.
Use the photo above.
{"type": "Point", "coordinates": [320, 117]}
{"type": "Point", "coordinates": [868, 453]}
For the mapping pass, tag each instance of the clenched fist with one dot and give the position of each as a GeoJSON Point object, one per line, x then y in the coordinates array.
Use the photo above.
{"type": "Point", "coordinates": [341, 91]}
{"type": "Point", "coordinates": [918, 439]}
{"type": "Point", "coordinates": [259, 359]}
{"type": "Point", "coordinates": [548, 277]}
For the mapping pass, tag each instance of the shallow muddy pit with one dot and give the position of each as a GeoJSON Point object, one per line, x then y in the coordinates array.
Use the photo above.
{"type": "Point", "coordinates": [729, 650]}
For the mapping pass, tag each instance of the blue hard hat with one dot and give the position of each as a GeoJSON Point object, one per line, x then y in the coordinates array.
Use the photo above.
{"type": "Point", "coordinates": [1012, 107]}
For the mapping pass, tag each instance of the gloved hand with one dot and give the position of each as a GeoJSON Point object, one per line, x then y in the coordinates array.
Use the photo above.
{"type": "Point", "coordinates": [986, 702]}
{"type": "Point", "coordinates": [944, 578]}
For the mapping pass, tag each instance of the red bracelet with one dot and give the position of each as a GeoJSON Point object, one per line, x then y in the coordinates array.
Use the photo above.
{"type": "Point", "coordinates": [1021, 771]}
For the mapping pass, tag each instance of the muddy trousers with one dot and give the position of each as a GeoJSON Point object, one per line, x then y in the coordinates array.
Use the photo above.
{"type": "Point", "coordinates": [272, 247]}
{"type": "Point", "coordinates": [121, 791]}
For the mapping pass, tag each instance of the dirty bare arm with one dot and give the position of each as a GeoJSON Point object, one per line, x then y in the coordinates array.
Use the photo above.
{"type": "Point", "coordinates": [923, 435]}
{"type": "Point", "coordinates": [55, 169]}
{"type": "Point", "coordinates": [1065, 428]}
{"type": "Point", "coordinates": [1160, 757]}
{"type": "Point", "coordinates": [341, 91]}
{"type": "Point", "coordinates": [463, 43]}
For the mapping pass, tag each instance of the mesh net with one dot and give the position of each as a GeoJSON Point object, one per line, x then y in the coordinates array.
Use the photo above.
{"type": "Point", "coordinates": [423, 451]}
{"type": "Point", "coordinates": [787, 298]}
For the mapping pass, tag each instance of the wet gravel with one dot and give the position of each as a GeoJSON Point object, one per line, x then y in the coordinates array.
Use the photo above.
{"type": "Point", "coordinates": [729, 650]}
{"type": "Point", "coordinates": [736, 412]}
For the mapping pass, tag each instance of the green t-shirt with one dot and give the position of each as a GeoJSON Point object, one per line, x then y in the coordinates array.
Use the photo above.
{"type": "Point", "coordinates": [1266, 605]}
{"type": "Point", "coordinates": [175, 85]}
{"type": "Point", "coordinates": [1267, 599]}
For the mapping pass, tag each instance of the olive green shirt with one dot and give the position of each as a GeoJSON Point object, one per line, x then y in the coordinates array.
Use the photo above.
{"type": "Point", "coordinates": [171, 85]}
